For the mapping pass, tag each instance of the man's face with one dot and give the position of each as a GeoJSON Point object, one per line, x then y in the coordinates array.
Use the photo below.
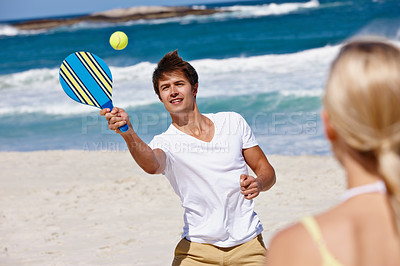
{"type": "Point", "coordinates": [176, 92]}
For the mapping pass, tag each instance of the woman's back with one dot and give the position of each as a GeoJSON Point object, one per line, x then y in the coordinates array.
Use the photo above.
{"type": "Point", "coordinates": [359, 232]}
{"type": "Point", "coordinates": [362, 122]}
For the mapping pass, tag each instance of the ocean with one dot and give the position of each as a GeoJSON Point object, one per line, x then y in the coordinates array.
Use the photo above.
{"type": "Point", "coordinates": [267, 60]}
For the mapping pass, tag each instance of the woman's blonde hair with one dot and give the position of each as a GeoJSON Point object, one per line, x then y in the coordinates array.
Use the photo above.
{"type": "Point", "coordinates": [362, 99]}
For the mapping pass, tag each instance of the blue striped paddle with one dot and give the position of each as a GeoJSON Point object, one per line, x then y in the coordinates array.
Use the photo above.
{"type": "Point", "coordinates": [87, 79]}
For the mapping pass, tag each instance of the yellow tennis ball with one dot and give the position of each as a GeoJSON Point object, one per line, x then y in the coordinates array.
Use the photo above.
{"type": "Point", "coordinates": [118, 40]}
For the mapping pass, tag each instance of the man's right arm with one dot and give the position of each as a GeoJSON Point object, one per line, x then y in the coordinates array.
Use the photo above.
{"type": "Point", "coordinates": [151, 161]}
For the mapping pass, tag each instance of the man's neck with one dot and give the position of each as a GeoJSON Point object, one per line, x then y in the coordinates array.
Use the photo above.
{"type": "Point", "coordinates": [194, 124]}
{"type": "Point", "coordinates": [188, 119]}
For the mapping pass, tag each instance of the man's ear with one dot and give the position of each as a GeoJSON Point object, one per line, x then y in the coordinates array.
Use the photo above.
{"type": "Point", "coordinates": [195, 89]}
{"type": "Point", "coordinates": [330, 132]}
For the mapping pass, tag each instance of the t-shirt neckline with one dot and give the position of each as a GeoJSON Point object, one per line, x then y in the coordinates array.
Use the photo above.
{"type": "Point", "coordinates": [209, 116]}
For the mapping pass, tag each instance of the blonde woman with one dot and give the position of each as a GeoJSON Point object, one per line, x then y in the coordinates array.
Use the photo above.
{"type": "Point", "coordinates": [362, 121]}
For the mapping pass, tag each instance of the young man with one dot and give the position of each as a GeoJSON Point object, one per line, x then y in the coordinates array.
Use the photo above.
{"type": "Point", "coordinates": [205, 158]}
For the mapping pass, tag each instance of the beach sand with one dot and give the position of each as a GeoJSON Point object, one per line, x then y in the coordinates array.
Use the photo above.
{"type": "Point", "coordinates": [100, 208]}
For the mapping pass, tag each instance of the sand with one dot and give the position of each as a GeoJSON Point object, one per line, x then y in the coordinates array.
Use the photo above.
{"type": "Point", "coordinates": [100, 208]}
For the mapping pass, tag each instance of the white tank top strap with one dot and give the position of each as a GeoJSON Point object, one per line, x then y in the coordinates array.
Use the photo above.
{"type": "Point", "coordinates": [378, 186]}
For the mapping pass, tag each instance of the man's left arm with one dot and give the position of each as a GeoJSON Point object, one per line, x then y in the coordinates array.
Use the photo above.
{"type": "Point", "coordinates": [258, 162]}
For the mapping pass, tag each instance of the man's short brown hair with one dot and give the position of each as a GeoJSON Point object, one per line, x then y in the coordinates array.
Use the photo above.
{"type": "Point", "coordinates": [171, 62]}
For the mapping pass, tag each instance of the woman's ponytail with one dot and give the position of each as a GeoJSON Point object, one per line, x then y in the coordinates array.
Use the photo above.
{"type": "Point", "coordinates": [389, 168]}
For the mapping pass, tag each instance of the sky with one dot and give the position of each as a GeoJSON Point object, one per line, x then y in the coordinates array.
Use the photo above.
{"type": "Point", "coordinates": [31, 9]}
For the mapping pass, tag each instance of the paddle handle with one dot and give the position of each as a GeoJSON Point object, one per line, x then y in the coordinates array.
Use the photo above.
{"type": "Point", "coordinates": [124, 128]}
{"type": "Point", "coordinates": [109, 105]}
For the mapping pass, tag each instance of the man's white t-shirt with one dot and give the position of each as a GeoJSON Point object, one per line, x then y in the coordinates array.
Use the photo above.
{"type": "Point", "coordinates": [206, 176]}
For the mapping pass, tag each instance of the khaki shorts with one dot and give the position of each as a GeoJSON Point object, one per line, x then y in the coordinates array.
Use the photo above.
{"type": "Point", "coordinates": [252, 253]}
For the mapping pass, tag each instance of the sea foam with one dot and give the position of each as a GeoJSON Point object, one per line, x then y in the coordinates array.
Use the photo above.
{"type": "Point", "coordinates": [301, 73]}
{"type": "Point", "coordinates": [245, 11]}
{"type": "Point", "coordinates": [227, 13]}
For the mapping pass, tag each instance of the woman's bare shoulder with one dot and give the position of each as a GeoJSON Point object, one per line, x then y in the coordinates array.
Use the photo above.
{"type": "Point", "coordinates": [291, 246]}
